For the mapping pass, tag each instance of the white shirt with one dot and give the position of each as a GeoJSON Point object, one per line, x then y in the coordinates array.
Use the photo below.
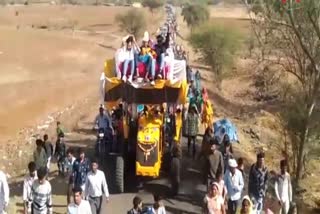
{"type": "Point", "coordinates": [4, 192]}
{"type": "Point", "coordinates": [82, 208]}
{"type": "Point", "coordinates": [283, 188]}
{"type": "Point", "coordinates": [161, 210]}
{"type": "Point", "coordinates": [41, 197]}
{"type": "Point", "coordinates": [96, 184]}
{"type": "Point", "coordinates": [234, 184]}
{"type": "Point", "coordinates": [125, 54]}
{"type": "Point", "coordinates": [27, 184]}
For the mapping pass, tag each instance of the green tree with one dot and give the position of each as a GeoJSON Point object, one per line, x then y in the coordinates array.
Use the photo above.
{"type": "Point", "coordinates": [216, 46]}
{"type": "Point", "coordinates": [195, 14]}
{"type": "Point", "coordinates": [289, 35]}
{"type": "Point", "coordinates": [153, 4]}
{"type": "Point", "coordinates": [132, 22]}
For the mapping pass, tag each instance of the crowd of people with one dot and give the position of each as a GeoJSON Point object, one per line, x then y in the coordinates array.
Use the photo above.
{"type": "Point", "coordinates": [223, 174]}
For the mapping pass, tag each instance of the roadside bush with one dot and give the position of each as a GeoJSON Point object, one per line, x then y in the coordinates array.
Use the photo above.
{"type": "Point", "coordinates": [216, 46]}
{"type": "Point", "coordinates": [153, 4]}
{"type": "Point", "coordinates": [132, 22]}
{"type": "Point", "coordinates": [195, 15]}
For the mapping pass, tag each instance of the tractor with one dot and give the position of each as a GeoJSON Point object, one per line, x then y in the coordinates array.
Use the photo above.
{"type": "Point", "coordinates": [144, 142]}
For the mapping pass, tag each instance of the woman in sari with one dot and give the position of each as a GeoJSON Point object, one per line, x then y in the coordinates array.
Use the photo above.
{"type": "Point", "coordinates": [246, 206]}
{"type": "Point", "coordinates": [207, 114]}
{"type": "Point", "coordinates": [213, 201]}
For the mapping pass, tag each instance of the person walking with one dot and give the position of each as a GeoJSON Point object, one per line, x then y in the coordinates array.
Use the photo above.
{"type": "Point", "coordinates": [222, 187]}
{"type": "Point", "coordinates": [59, 129]}
{"type": "Point", "coordinates": [60, 153]}
{"type": "Point", "coordinates": [48, 148]}
{"type": "Point", "coordinates": [137, 206]}
{"type": "Point", "coordinates": [39, 155]}
{"type": "Point", "coordinates": [41, 195]}
{"type": "Point", "coordinates": [4, 193]}
{"type": "Point", "coordinates": [27, 185]}
{"type": "Point", "coordinates": [214, 163]}
{"type": "Point", "coordinates": [213, 202]}
{"type": "Point", "coordinates": [193, 129]}
{"type": "Point", "coordinates": [205, 146]}
{"type": "Point", "coordinates": [258, 183]}
{"type": "Point", "coordinates": [81, 168]}
{"type": "Point", "coordinates": [226, 150]}
{"type": "Point", "coordinates": [234, 183]}
{"type": "Point", "coordinates": [246, 206]}
{"type": "Point", "coordinates": [175, 171]}
{"type": "Point", "coordinates": [95, 186]}
{"type": "Point", "coordinates": [283, 188]}
{"type": "Point", "coordinates": [69, 161]}
{"type": "Point", "coordinates": [79, 206]}
{"type": "Point", "coordinates": [158, 206]}
{"type": "Point", "coordinates": [171, 126]}
{"type": "Point", "coordinates": [207, 114]}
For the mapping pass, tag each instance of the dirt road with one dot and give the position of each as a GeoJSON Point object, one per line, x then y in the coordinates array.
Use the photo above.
{"type": "Point", "coordinates": [188, 202]}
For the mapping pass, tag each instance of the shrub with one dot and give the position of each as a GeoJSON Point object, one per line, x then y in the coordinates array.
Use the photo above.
{"type": "Point", "coordinates": [216, 46]}
{"type": "Point", "coordinates": [153, 4]}
{"type": "Point", "coordinates": [132, 22]}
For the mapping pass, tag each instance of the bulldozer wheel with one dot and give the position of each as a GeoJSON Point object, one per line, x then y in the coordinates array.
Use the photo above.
{"type": "Point", "coordinates": [115, 173]}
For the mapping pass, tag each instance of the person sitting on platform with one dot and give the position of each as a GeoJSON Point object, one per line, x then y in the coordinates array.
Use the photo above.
{"type": "Point", "coordinates": [160, 49]}
{"type": "Point", "coordinates": [146, 56]}
{"type": "Point", "coordinates": [126, 56]}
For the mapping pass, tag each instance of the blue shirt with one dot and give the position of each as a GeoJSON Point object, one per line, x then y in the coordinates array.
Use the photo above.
{"type": "Point", "coordinates": [80, 171]}
{"type": "Point", "coordinates": [103, 121]}
{"type": "Point", "coordinates": [258, 181]}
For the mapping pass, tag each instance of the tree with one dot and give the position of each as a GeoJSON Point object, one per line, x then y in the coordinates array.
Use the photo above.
{"type": "Point", "coordinates": [153, 4]}
{"type": "Point", "coordinates": [289, 35]}
{"type": "Point", "coordinates": [132, 22]}
{"type": "Point", "coordinates": [195, 14]}
{"type": "Point", "coordinates": [216, 46]}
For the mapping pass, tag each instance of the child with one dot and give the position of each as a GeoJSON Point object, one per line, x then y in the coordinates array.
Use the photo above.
{"type": "Point", "coordinates": [60, 153]}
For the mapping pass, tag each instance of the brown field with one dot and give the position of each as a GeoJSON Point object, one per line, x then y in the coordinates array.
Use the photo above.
{"type": "Point", "coordinates": [43, 69]}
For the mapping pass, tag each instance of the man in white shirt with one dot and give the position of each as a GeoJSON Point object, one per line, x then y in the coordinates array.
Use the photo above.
{"type": "Point", "coordinates": [27, 184]}
{"type": "Point", "coordinates": [283, 188]}
{"type": "Point", "coordinates": [234, 183]}
{"type": "Point", "coordinates": [96, 185]}
{"type": "Point", "coordinates": [4, 193]}
{"type": "Point", "coordinates": [79, 206]}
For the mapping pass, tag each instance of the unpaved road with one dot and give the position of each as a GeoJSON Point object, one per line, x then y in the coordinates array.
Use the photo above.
{"type": "Point", "coordinates": [188, 202]}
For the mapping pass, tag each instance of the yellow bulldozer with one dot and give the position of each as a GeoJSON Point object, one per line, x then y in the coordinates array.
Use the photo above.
{"type": "Point", "coordinates": [144, 133]}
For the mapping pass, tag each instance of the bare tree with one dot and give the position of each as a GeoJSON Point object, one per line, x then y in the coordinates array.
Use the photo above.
{"type": "Point", "coordinates": [289, 36]}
